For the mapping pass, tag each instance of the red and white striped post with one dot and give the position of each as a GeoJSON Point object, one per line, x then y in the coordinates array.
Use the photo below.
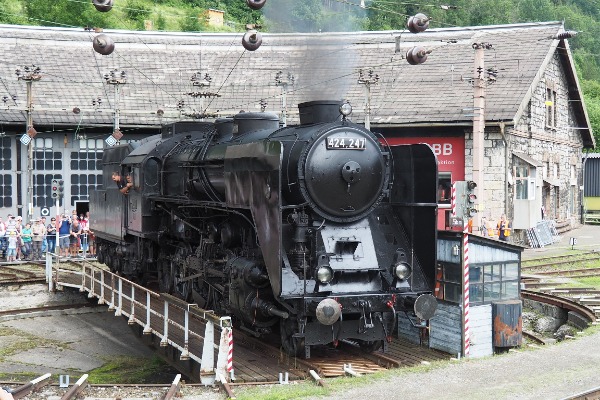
{"type": "Point", "coordinates": [466, 328]}
{"type": "Point", "coordinates": [453, 199]}
{"type": "Point", "coordinates": [230, 356]}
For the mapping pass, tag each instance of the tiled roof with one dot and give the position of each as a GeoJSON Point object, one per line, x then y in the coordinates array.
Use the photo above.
{"type": "Point", "coordinates": [324, 66]}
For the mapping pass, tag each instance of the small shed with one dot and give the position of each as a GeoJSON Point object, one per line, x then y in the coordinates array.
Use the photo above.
{"type": "Point", "coordinates": [470, 325]}
{"type": "Point", "coordinates": [215, 17]}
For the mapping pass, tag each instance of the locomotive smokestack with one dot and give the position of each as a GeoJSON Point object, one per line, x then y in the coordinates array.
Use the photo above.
{"type": "Point", "coordinates": [314, 112]}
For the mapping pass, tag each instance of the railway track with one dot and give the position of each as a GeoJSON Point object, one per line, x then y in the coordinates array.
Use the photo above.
{"type": "Point", "coordinates": [30, 390]}
{"type": "Point", "coordinates": [561, 302]}
{"type": "Point", "coordinates": [545, 278]}
{"type": "Point", "coordinates": [25, 272]}
{"type": "Point", "coordinates": [40, 310]}
{"type": "Point", "coordinates": [559, 260]}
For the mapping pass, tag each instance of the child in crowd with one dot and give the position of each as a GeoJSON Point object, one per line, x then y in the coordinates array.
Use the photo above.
{"type": "Point", "coordinates": [11, 252]}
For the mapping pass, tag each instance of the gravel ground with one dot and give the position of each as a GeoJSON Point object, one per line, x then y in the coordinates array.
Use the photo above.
{"type": "Point", "coordinates": [553, 372]}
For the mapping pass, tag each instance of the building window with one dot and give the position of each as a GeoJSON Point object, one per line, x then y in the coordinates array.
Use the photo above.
{"type": "Point", "coordinates": [551, 108]}
{"type": "Point", "coordinates": [45, 160]}
{"type": "Point", "coordinates": [444, 188]}
{"type": "Point", "coordinates": [573, 173]}
{"type": "Point", "coordinates": [555, 170]}
{"type": "Point", "coordinates": [82, 185]}
{"type": "Point", "coordinates": [87, 161]}
{"type": "Point", "coordinates": [5, 151]}
{"type": "Point", "coordinates": [6, 188]}
{"type": "Point", "coordinates": [488, 282]}
{"type": "Point", "coordinates": [89, 155]}
{"type": "Point", "coordinates": [521, 182]}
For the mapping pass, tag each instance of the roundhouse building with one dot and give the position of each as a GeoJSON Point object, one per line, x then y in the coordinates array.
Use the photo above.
{"type": "Point", "coordinates": [511, 87]}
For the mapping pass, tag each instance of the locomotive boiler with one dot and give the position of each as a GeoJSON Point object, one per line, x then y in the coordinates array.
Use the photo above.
{"type": "Point", "coordinates": [320, 231]}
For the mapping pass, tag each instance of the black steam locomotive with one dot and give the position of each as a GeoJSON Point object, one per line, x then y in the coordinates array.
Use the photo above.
{"type": "Point", "coordinates": [320, 229]}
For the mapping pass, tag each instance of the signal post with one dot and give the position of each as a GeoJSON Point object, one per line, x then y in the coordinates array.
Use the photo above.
{"type": "Point", "coordinates": [57, 192]}
{"type": "Point", "coordinates": [464, 208]}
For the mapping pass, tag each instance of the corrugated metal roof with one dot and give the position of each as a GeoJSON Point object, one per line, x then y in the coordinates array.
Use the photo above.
{"type": "Point", "coordinates": [324, 66]}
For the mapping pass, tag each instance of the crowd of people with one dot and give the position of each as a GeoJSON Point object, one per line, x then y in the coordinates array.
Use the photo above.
{"type": "Point", "coordinates": [21, 241]}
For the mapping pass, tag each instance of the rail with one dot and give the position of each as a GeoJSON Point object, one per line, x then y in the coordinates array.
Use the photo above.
{"type": "Point", "coordinates": [561, 302]}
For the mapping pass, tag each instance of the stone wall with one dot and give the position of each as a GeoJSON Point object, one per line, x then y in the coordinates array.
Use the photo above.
{"type": "Point", "coordinates": [557, 148]}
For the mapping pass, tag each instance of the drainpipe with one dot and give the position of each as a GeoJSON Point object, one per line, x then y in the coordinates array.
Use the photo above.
{"type": "Point", "coordinates": [506, 169]}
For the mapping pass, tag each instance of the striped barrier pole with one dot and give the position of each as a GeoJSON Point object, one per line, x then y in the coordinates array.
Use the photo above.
{"type": "Point", "coordinates": [453, 199]}
{"type": "Point", "coordinates": [230, 356]}
{"type": "Point", "coordinates": [466, 306]}
{"type": "Point", "coordinates": [223, 354]}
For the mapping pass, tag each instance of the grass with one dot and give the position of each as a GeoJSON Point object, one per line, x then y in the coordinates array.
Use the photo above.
{"type": "Point", "coordinates": [591, 281]}
{"type": "Point", "coordinates": [125, 370]}
{"type": "Point", "coordinates": [25, 341]}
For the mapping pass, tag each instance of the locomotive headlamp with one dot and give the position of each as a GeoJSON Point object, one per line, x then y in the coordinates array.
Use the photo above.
{"type": "Point", "coordinates": [346, 109]}
{"type": "Point", "coordinates": [324, 274]}
{"type": "Point", "coordinates": [402, 270]}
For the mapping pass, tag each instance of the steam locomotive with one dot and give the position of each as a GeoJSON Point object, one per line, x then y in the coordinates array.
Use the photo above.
{"type": "Point", "coordinates": [320, 230]}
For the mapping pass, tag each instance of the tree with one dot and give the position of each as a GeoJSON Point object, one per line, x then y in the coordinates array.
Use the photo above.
{"type": "Point", "coordinates": [383, 17]}
{"type": "Point", "coordinates": [591, 91]}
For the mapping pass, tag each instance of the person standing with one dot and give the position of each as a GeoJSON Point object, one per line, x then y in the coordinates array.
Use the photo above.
{"type": "Point", "coordinates": [90, 236]}
{"type": "Point", "coordinates": [64, 230]}
{"type": "Point", "coordinates": [83, 239]}
{"type": "Point", "coordinates": [503, 227]}
{"type": "Point", "coordinates": [51, 236]}
{"type": "Point", "coordinates": [44, 241]}
{"type": "Point", "coordinates": [3, 238]}
{"type": "Point", "coordinates": [26, 237]}
{"type": "Point", "coordinates": [20, 245]}
{"type": "Point", "coordinates": [74, 233]}
{"type": "Point", "coordinates": [11, 252]}
{"type": "Point", "coordinates": [11, 227]}
{"type": "Point", "coordinates": [38, 231]}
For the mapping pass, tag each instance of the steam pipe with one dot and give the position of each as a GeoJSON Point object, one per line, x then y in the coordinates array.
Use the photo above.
{"type": "Point", "coordinates": [268, 308]}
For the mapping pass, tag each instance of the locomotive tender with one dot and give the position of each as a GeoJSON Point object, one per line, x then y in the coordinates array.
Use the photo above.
{"type": "Point", "coordinates": [320, 229]}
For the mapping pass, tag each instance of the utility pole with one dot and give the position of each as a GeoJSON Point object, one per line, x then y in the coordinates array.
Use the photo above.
{"type": "Point", "coordinates": [116, 79]}
{"type": "Point", "coordinates": [480, 83]}
{"type": "Point", "coordinates": [29, 74]}
{"type": "Point", "coordinates": [198, 81]}
{"type": "Point", "coordinates": [284, 83]}
{"type": "Point", "coordinates": [370, 79]}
